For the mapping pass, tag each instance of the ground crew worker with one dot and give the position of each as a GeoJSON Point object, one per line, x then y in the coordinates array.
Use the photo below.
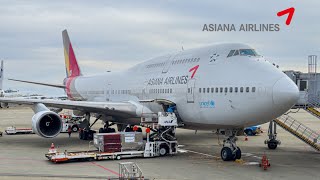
{"type": "Point", "coordinates": [69, 131]}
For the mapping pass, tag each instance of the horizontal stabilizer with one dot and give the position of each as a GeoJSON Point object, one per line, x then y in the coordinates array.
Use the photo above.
{"type": "Point", "coordinates": [39, 83]}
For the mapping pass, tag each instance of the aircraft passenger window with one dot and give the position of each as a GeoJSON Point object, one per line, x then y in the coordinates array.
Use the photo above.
{"type": "Point", "coordinates": [236, 89]}
{"type": "Point", "coordinates": [212, 90]}
{"type": "Point", "coordinates": [208, 90]}
{"type": "Point", "coordinates": [199, 90]}
{"type": "Point", "coordinates": [226, 90]}
{"type": "Point", "coordinates": [204, 90]}
{"type": "Point", "coordinates": [236, 53]}
{"type": "Point", "coordinates": [230, 89]}
{"type": "Point", "coordinates": [241, 89]}
{"type": "Point", "coordinates": [217, 90]}
{"type": "Point", "coordinates": [247, 89]}
{"type": "Point", "coordinates": [253, 89]}
{"type": "Point", "coordinates": [221, 89]}
{"type": "Point", "coordinates": [188, 90]}
{"type": "Point", "coordinates": [171, 90]}
{"type": "Point", "coordinates": [112, 92]}
{"type": "Point", "coordinates": [230, 53]}
{"type": "Point", "coordinates": [198, 59]}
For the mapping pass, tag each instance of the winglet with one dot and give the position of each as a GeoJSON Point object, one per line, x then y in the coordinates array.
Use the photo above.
{"type": "Point", "coordinates": [72, 67]}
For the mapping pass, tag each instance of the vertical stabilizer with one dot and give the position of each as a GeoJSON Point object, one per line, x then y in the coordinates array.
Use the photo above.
{"type": "Point", "coordinates": [1, 76]}
{"type": "Point", "coordinates": [72, 67]}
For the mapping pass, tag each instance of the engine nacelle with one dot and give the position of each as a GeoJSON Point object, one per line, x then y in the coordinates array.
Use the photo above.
{"type": "Point", "coordinates": [47, 124]}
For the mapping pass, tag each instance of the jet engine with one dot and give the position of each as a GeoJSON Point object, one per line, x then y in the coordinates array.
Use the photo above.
{"type": "Point", "coordinates": [47, 124]}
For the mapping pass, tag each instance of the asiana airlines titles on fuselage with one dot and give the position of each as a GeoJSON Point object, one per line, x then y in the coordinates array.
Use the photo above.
{"type": "Point", "coordinates": [241, 27]}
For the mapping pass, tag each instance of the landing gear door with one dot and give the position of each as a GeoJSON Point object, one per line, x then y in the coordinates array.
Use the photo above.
{"type": "Point", "coordinates": [190, 90]}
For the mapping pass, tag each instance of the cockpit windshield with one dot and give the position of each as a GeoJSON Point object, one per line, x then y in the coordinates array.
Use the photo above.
{"type": "Point", "coordinates": [248, 52]}
{"type": "Point", "coordinates": [242, 52]}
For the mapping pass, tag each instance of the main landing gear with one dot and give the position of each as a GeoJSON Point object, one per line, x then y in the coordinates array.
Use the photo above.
{"type": "Point", "coordinates": [86, 133]}
{"type": "Point", "coordinates": [230, 151]}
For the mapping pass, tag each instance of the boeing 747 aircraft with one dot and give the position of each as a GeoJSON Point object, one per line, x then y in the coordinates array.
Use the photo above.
{"type": "Point", "coordinates": [222, 86]}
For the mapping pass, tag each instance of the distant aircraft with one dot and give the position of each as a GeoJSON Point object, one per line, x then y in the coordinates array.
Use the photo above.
{"type": "Point", "coordinates": [222, 86]}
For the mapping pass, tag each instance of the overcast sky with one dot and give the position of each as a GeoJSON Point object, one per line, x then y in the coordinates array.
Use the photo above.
{"type": "Point", "coordinates": [113, 35]}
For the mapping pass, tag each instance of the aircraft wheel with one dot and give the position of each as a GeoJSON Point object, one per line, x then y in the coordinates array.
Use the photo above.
{"type": "Point", "coordinates": [226, 154]}
{"type": "Point", "coordinates": [237, 155]}
{"type": "Point", "coordinates": [111, 130]}
{"type": "Point", "coordinates": [101, 130]}
{"type": "Point", "coordinates": [272, 145]}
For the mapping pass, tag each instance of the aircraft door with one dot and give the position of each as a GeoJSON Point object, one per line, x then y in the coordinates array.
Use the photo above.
{"type": "Point", "coordinates": [190, 90]}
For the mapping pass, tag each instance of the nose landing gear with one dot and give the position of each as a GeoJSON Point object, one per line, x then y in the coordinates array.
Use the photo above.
{"type": "Point", "coordinates": [230, 151]}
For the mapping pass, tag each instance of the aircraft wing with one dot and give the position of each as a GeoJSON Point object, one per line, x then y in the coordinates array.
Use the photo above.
{"type": "Point", "coordinates": [40, 83]}
{"type": "Point", "coordinates": [120, 109]}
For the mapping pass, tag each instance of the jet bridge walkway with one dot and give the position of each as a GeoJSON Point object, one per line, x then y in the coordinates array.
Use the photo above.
{"type": "Point", "coordinates": [299, 130]}
{"type": "Point", "coordinates": [312, 108]}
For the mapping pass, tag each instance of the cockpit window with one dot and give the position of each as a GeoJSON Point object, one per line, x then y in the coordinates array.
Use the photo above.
{"type": "Point", "coordinates": [248, 52]}
{"type": "Point", "coordinates": [231, 53]}
{"type": "Point", "coordinates": [243, 52]}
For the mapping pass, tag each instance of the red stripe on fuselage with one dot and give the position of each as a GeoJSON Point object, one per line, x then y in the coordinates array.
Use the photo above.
{"type": "Point", "coordinates": [68, 88]}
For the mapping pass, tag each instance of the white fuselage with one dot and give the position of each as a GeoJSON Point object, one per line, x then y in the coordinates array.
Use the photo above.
{"type": "Point", "coordinates": [211, 98]}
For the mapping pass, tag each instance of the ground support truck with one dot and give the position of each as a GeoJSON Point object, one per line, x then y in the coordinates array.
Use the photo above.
{"type": "Point", "coordinates": [126, 144]}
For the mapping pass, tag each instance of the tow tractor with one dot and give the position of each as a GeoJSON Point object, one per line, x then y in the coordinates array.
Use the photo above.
{"type": "Point", "coordinates": [13, 130]}
{"type": "Point", "coordinates": [161, 141]}
{"type": "Point", "coordinates": [70, 120]}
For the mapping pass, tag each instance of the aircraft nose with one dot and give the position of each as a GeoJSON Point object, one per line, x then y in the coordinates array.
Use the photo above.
{"type": "Point", "coordinates": [285, 92]}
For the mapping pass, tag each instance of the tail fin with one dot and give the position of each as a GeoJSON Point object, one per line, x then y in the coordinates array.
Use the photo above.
{"type": "Point", "coordinates": [1, 75]}
{"type": "Point", "coordinates": [72, 67]}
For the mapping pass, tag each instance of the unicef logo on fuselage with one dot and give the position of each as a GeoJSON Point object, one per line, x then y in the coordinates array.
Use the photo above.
{"type": "Point", "coordinates": [207, 104]}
